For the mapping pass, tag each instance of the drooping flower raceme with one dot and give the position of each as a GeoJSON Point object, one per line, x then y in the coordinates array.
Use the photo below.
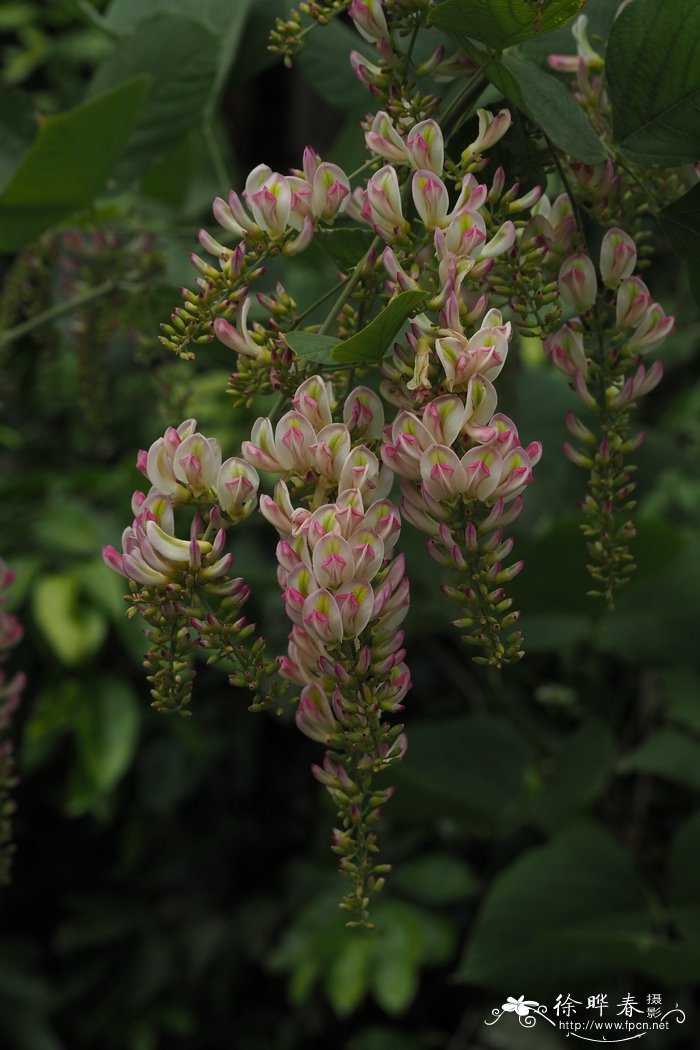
{"type": "Point", "coordinates": [601, 353]}
{"type": "Point", "coordinates": [174, 579]}
{"type": "Point", "coordinates": [456, 269]}
{"type": "Point", "coordinates": [346, 594]}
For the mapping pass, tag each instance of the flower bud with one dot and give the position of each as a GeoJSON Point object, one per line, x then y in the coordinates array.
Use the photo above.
{"type": "Point", "coordinates": [369, 21]}
{"type": "Point", "coordinates": [577, 282]}
{"type": "Point", "coordinates": [618, 257]}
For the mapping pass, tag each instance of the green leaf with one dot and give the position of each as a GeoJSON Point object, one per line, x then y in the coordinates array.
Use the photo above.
{"type": "Point", "coordinates": [226, 21]}
{"type": "Point", "coordinates": [371, 343]}
{"type": "Point", "coordinates": [68, 525]}
{"type": "Point", "coordinates": [312, 347]}
{"type": "Point", "coordinates": [125, 15]}
{"type": "Point", "coordinates": [502, 23]}
{"type": "Point", "coordinates": [107, 729]}
{"type": "Point", "coordinates": [547, 102]}
{"type": "Point", "coordinates": [18, 127]}
{"type": "Point", "coordinates": [325, 64]}
{"type": "Point", "coordinates": [572, 907]}
{"type": "Point", "coordinates": [678, 687]}
{"type": "Point", "coordinates": [181, 56]}
{"type": "Point", "coordinates": [681, 223]}
{"type": "Point", "coordinates": [346, 245]}
{"type": "Point", "coordinates": [600, 15]}
{"type": "Point", "coordinates": [68, 163]}
{"type": "Point", "coordinates": [650, 622]}
{"type": "Point", "coordinates": [347, 980]}
{"type": "Point", "coordinates": [73, 629]}
{"type": "Point", "coordinates": [666, 753]}
{"type": "Point", "coordinates": [684, 890]}
{"type": "Point", "coordinates": [435, 878]}
{"type": "Point", "coordinates": [469, 768]}
{"type": "Point", "coordinates": [583, 765]}
{"type": "Point", "coordinates": [653, 76]}
{"type": "Point", "coordinates": [51, 716]}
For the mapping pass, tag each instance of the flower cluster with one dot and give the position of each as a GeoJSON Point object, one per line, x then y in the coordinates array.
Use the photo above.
{"type": "Point", "coordinates": [438, 275]}
{"type": "Point", "coordinates": [10, 693]}
{"type": "Point", "coordinates": [174, 580]}
{"type": "Point", "coordinates": [600, 350]}
{"type": "Point", "coordinates": [617, 190]}
{"type": "Point", "coordinates": [275, 214]}
{"type": "Point", "coordinates": [462, 482]}
{"type": "Point", "coordinates": [346, 595]}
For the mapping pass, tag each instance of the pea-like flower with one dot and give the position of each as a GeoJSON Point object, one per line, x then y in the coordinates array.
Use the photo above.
{"type": "Point", "coordinates": [578, 285]}
{"type": "Point", "coordinates": [618, 257]}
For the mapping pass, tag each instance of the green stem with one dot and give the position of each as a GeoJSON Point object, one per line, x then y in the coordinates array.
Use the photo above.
{"type": "Point", "coordinates": [277, 408]}
{"type": "Point", "coordinates": [567, 188]}
{"type": "Point", "coordinates": [349, 288]}
{"type": "Point", "coordinates": [98, 20]}
{"type": "Point", "coordinates": [476, 83]}
{"type": "Point", "coordinates": [321, 299]}
{"type": "Point", "coordinates": [55, 312]}
{"type": "Point", "coordinates": [216, 156]}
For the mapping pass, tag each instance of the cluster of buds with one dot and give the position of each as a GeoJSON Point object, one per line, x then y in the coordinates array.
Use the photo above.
{"type": "Point", "coordinates": [600, 351]}
{"type": "Point", "coordinates": [346, 595]}
{"type": "Point", "coordinates": [277, 213]}
{"type": "Point", "coordinates": [462, 483]}
{"type": "Point", "coordinates": [614, 191]}
{"type": "Point", "coordinates": [281, 205]}
{"type": "Point", "coordinates": [461, 463]}
{"type": "Point", "coordinates": [318, 454]}
{"type": "Point", "coordinates": [289, 34]}
{"type": "Point", "coordinates": [174, 580]}
{"type": "Point", "coordinates": [386, 77]}
{"type": "Point", "coordinates": [484, 262]}
{"type": "Point", "coordinates": [10, 693]}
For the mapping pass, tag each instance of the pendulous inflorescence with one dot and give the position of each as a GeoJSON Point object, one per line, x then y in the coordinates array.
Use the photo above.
{"type": "Point", "coordinates": [386, 411]}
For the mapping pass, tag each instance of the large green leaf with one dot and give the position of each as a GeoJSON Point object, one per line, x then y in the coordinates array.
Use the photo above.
{"type": "Point", "coordinates": [600, 15]}
{"type": "Point", "coordinates": [346, 245]}
{"type": "Point", "coordinates": [68, 163]}
{"type": "Point", "coordinates": [572, 907]}
{"type": "Point", "coordinates": [654, 80]}
{"type": "Point", "coordinates": [107, 726]}
{"type": "Point", "coordinates": [312, 347]}
{"type": "Point", "coordinates": [546, 101]}
{"type": "Point", "coordinates": [371, 343]}
{"type": "Point", "coordinates": [667, 753]}
{"type": "Point", "coordinates": [502, 23]}
{"type": "Point", "coordinates": [650, 621]}
{"type": "Point", "coordinates": [225, 20]}
{"type": "Point", "coordinates": [684, 889]}
{"type": "Point", "coordinates": [18, 127]}
{"type": "Point", "coordinates": [325, 62]}
{"type": "Point", "coordinates": [385, 961]}
{"type": "Point", "coordinates": [681, 221]}
{"type": "Point", "coordinates": [680, 689]}
{"type": "Point", "coordinates": [470, 768]}
{"type": "Point", "coordinates": [181, 55]}
{"type": "Point", "coordinates": [581, 769]}
{"type": "Point", "coordinates": [124, 15]}
{"type": "Point", "coordinates": [435, 879]}
{"type": "Point", "coordinates": [73, 629]}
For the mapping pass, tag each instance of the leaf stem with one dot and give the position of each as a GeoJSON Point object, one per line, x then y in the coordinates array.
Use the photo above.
{"type": "Point", "coordinates": [321, 299]}
{"type": "Point", "coordinates": [55, 312]}
{"type": "Point", "coordinates": [98, 20]}
{"type": "Point", "coordinates": [216, 156]}
{"type": "Point", "coordinates": [349, 288]}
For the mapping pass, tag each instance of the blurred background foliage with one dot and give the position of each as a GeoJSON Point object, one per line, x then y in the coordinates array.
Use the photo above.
{"type": "Point", "coordinates": [172, 885]}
